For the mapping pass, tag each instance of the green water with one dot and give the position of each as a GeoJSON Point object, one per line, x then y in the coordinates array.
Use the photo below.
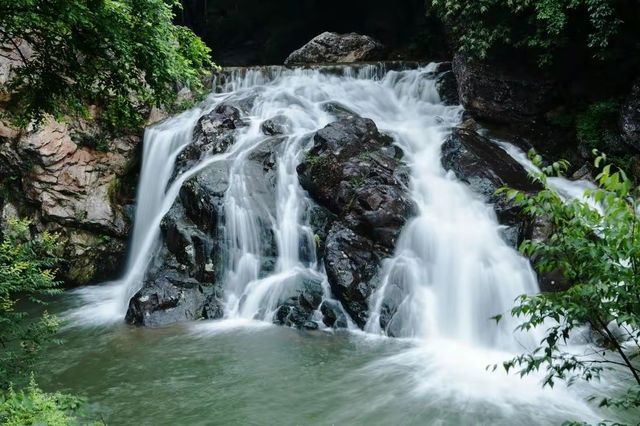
{"type": "Point", "coordinates": [226, 373]}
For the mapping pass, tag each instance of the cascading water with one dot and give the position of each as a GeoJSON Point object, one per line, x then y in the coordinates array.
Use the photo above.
{"type": "Point", "coordinates": [161, 145]}
{"type": "Point", "coordinates": [451, 265]}
{"type": "Point", "coordinates": [453, 268]}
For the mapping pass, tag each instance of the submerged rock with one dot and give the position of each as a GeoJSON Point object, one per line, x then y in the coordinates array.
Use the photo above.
{"type": "Point", "coordinates": [298, 310]}
{"type": "Point", "coordinates": [277, 125]}
{"type": "Point", "coordinates": [490, 92]}
{"type": "Point", "coordinates": [332, 314]}
{"type": "Point", "coordinates": [337, 48]}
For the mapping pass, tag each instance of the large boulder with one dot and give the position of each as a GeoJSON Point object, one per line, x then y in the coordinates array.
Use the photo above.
{"type": "Point", "coordinates": [629, 122]}
{"type": "Point", "coordinates": [491, 92]}
{"type": "Point", "coordinates": [356, 174]}
{"type": "Point", "coordinates": [337, 48]}
{"type": "Point", "coordinates": [486, 167]}
{"type": "Point", "coordinates": [185, 280]}
{"type": "Point", "coordinates": [170, 299]}
{"type": "Point", "coordinates": [446, 84]}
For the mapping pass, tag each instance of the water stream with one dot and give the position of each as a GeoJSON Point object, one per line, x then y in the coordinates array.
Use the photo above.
{"type": "Point", "coordinates": [451, 266]}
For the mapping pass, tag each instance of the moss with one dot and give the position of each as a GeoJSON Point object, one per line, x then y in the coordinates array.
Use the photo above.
{"type": "Point", "coordinates": [317, 161]}
{"type": "Point", "coordinates": [114, 190]}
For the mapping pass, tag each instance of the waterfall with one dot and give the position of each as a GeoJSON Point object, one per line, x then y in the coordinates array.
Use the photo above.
{"type": "Point", "coordinates": [451, 269]}
{"type": "Point", "coordinates": [451, 265]}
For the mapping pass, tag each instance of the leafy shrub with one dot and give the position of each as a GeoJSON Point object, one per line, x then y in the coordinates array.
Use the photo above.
{"type": "Point", "coordinates": [26, 273]}
{"type": "Point", "coordinates": [119, 54]}
{"type": "Point", "coordinates": [479, 27]}
{"type": "Point", "coordinates": [598, 250]}
{"type": "Point", "coordinates": [32, 406]}
{"type": "Point", "coordinates": [592, 123]}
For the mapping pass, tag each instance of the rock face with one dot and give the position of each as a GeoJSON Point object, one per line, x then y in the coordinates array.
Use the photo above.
{"type": "Point", "coordinates": [485, 167]}
{"type": "Point", "coordinates": [337, 48]}
{"type": "Point", "coordinates": [56, 176]}
{"type": "Point", "coordinates": [492, 93]}
{"type": "Point", "coordinates": [356, 173]}
{"type": "Point", "coordinates": [630, 118]}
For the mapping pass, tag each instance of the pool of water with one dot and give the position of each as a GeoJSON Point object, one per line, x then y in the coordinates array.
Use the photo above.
{"type": "Point", "coordinates": [252, 373]}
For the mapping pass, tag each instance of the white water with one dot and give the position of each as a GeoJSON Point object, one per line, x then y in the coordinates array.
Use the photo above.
{"type": "Point", "coordinates": [451, 266]}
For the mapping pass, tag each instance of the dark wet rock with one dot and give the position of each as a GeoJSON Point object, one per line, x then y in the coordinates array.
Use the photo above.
{"type": "Point", "coordinates": [352, 263]}
{"type": "Point", "coordinates": [629, 121]}
{"type": "Point", "coordinates": [277, 125]}
{"type": "Point", "coordinates": [485, 167]}
{"type": "Point", "coordinates": [447, 87]}
{"type": "Point", "coordinates": [298, 310]}
{"type": "Point", "coordinates": [169, 299]}
{"type": "Point", "coordinates": [490, 92]}
{"type": "Point", "coordinates": [213, 134]}
{"type": "Point", "coordinates": [320, 220]}
{"type": "Point", "coordinates": [356, 172]}
{"type": "Point", "coordinates": [552, 281]}
{"type": "Point", "coordinates": [337, 48]}
{"type": "Point", "coordinates": [332, 314]}
{"type": "Point", "coordinates": [184, 281]}
{"type": "Point", "coordinates": [358, 179]}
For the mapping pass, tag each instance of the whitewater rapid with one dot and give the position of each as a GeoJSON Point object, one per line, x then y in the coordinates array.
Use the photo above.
{"type": "Point", "coordinates": [451, 264]}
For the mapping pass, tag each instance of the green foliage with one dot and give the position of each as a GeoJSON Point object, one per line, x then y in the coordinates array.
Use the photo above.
{"type": "Point", "coordinates": [596, 244]}
{"type": "Point", "coordinates": [32, 406]}
{"type": "Point", "coordinates": [119, 54]}
{"type": "Point", "coordinates": [591, 124]}
{"type": "Point", "coordinates": [542, 26]}
{"type": "Point", "coordinates": [26, 273]}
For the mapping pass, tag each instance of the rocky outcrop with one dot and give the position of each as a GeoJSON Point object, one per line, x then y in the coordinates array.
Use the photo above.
{"type": "Point", "coordinates": [337, 48]}
{"type": "Point", "coordinates": [357, 174]}
{"type": "Point", "coordinates": [491, 92]}
{"type": "Point", "coordinates": [182, 284]}
{"type": "Point", "coordinates": [485, 167]}
{"type": "Point", "coordinates": [213, 134]}
{"type": "Point", "coordinates": [72, 179]}
{"type": "Point", "coordinates": [629, 122]}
